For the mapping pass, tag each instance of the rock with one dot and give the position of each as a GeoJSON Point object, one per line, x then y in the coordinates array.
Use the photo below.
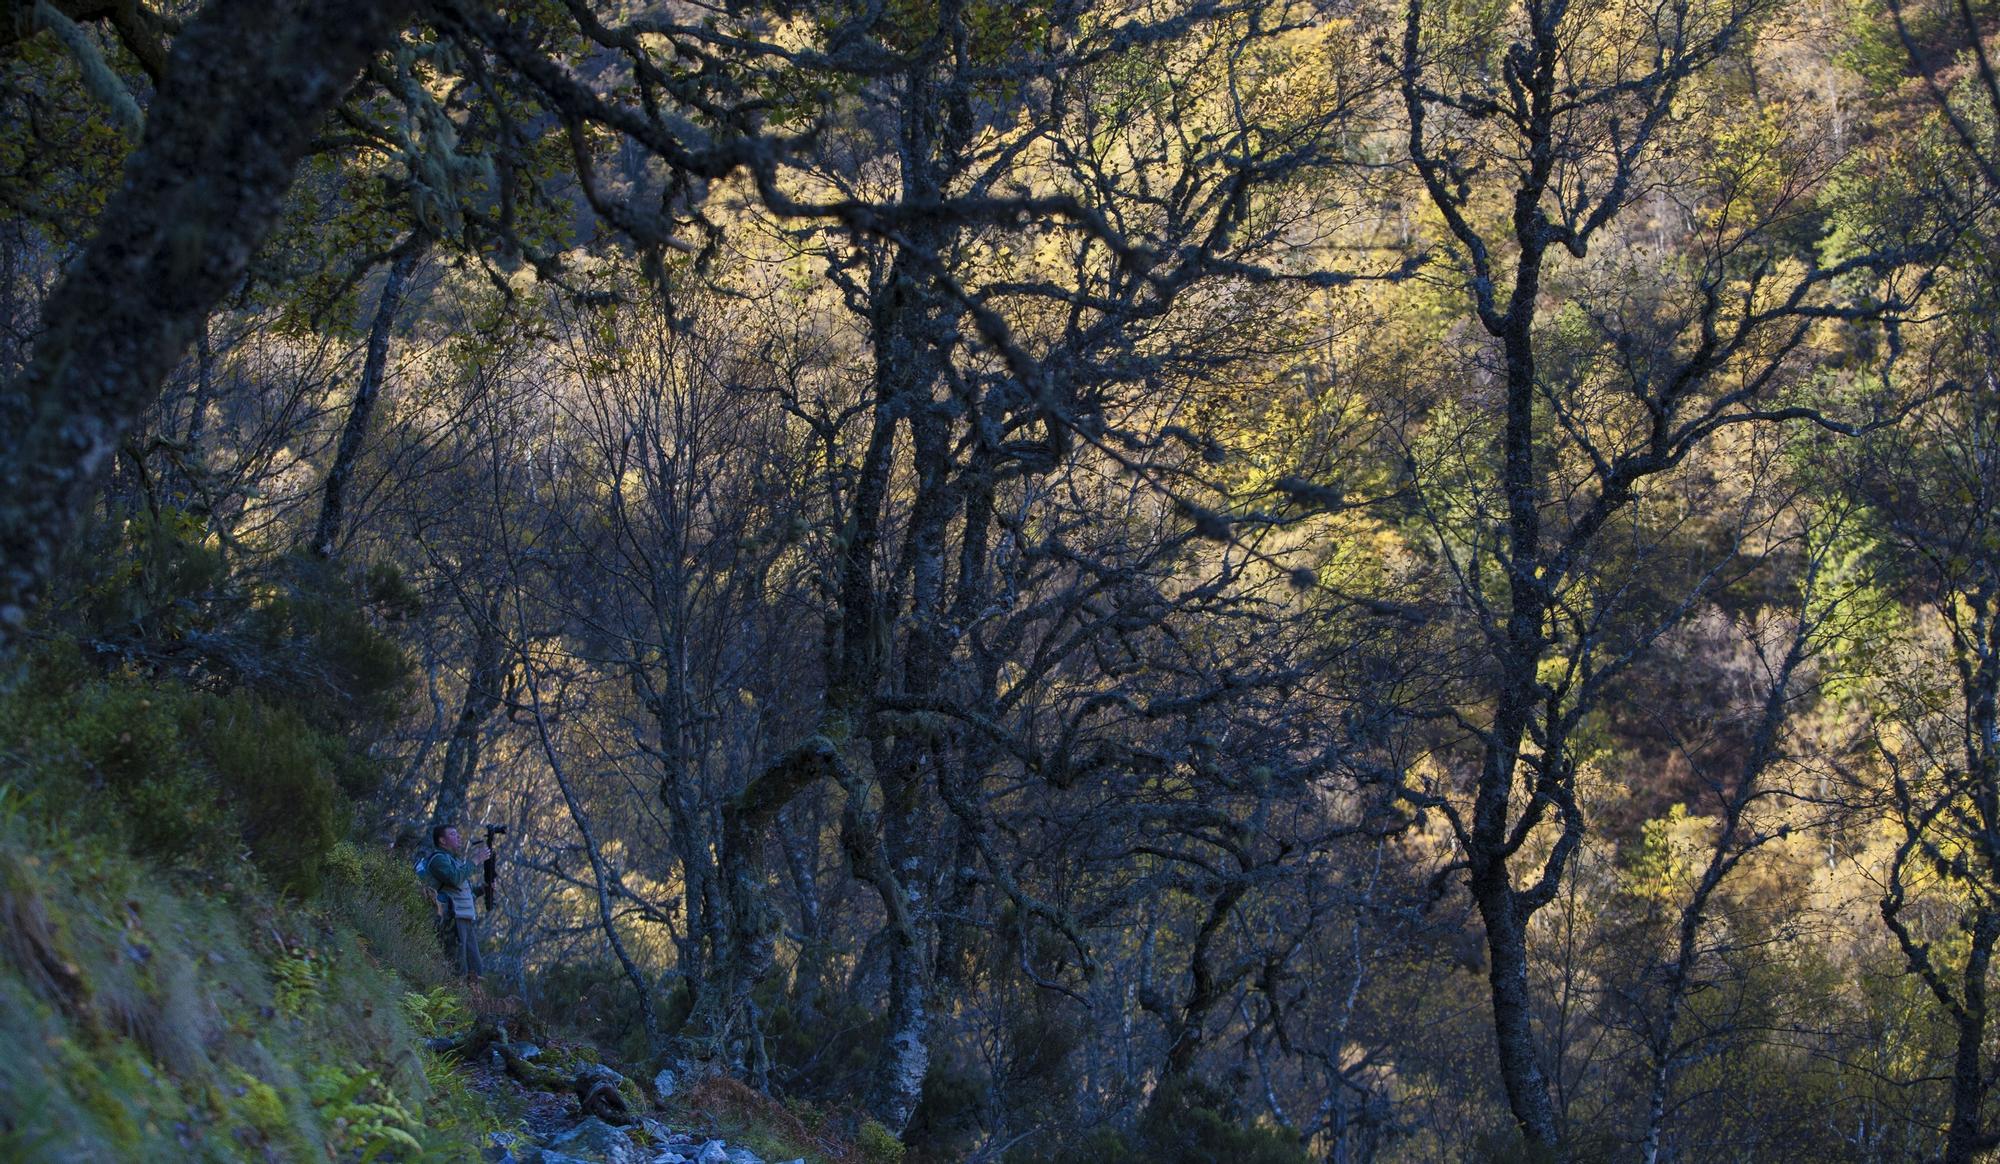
{"type": "Point", "coordinates": [526, 1050]}
{"type": "Point", "coordinates": [624, 1094]}
{"type": "Point", "coordinates": [663, 1083]}
{"type": "Point", "coordinates": [608, 1144]}
{"type": "Point", "coordinates": [598, 1071]}
{"type": "Point", "coordinates": [670, 1157]}
{"type": "Point", "coordinates": [607, 1094]}
{"type": "Point", "coordinates": [713, 1152]}
{"type": "Point", "coordinates": [743, 1156]}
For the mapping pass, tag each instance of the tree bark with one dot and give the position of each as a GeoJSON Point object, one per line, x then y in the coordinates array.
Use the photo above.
{"type": "Point", "coordinates": [333, 498]}
{"type": "Point", "coordinates": [1526, 1084]}
{"type": "Point", "coordinates": [905, 1055]}
{"type": "Point", "coordinates": [482, 697]}
{"type": "Point", "coordinates": [746, 818]}
{"type": "Point", "coordinates": [1966, 1141]}
{"type": "Point", "coordinates": [247, 84]}
{"type": "Point", "coordinates": [680, 794]}
{"type": "Point", "coordinates": [1205, 987]}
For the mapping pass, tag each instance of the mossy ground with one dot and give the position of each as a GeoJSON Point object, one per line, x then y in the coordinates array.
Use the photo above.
{"type": "Point", "coordinates": [168, 1016]}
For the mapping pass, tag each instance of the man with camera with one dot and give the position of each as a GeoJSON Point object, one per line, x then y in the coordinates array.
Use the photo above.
{"type": "Point", "coordinates": [450, 871]}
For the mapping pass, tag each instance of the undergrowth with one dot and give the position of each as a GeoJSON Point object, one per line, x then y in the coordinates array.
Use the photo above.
{"type": "Point", "coordinates": [779, 1131]}
{"type": "Point", "coordinates": [163, 998]}
{"type": "Point", "coordinates": [197, 963]}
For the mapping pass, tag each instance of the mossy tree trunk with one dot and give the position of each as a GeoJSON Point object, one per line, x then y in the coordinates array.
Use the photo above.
{"type": "Point", "coordinates": [247, 84]}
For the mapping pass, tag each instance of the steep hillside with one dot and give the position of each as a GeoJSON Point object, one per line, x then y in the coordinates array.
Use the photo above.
{"type": "Point", "coordinates": [195, 964]}
{"type": "Point", "coordinates": [157, 1015]}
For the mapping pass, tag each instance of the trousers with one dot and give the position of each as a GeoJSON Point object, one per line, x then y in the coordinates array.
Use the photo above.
{"type": "Point", "coordinates": [467, 946]}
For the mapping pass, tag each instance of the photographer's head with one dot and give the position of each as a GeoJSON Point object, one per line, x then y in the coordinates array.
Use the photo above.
{"type": "Point", "coordinates": [446, 837]}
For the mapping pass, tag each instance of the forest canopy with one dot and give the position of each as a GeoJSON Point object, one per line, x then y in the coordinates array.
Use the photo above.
{"type": "Point", "coordinates": [1268, 580]}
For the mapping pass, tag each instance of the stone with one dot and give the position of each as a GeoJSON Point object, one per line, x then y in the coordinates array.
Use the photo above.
{"type": "Point", "coordinates": [526, 1050]}
{"type": "Point", "coordinates": [608, 1144]}
{"type": "Point", "coordinates": [599, 1072]}
{"type": "Point", "coordinates": [743, 1156]}
{"type": "Point", "coordinates": [713, 1152]}
{"type": "Point", "coordinates": [663, 1083]}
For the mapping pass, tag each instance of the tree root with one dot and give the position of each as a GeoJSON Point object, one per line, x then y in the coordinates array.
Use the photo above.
{"type": "Point", "coordinates": [595, 1087]}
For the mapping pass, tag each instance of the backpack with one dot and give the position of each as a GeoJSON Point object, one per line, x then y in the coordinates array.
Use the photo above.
{"type": "Point", "coordinates": [430, 883]}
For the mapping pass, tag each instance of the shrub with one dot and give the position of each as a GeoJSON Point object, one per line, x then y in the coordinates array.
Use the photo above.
{"type": "Point", "coordinates": [182, 776]}
{"type": "Point", "coordinates": [823, 1051]}
{"type": "Point", "coordinates": [324, 652]}
{"type": "Point", "coordinates": [594, 999]}
{"type": "Point", "coordinates": [275, 771]}
{"type": "Point", "coordinates": [948, 1120]}
{"type": "Point", "coordinates": [878, 1144]}
{"type": "Point", "coordinates": [775, 1130]}
{"type": "Point", "coordinates": [152, 590]}
{"type": "Point", "coordinates": [110, 756]}
{"type": "Point", "coordinates": [1187, 1121]}
{"type": "Point", "coordinates": [148, 576]}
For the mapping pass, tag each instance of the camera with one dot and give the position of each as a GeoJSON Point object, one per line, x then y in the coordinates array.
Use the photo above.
{"type": "Point", "coordinates": [486, 891]}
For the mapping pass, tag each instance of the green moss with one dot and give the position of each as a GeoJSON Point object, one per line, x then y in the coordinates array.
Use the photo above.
{"type": "Point", "coordinates": [878, 1144]}
{"type": "Point", "coordinates": [259, 1106]}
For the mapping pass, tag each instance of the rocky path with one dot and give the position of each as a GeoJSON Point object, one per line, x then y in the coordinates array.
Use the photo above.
{"type": "Point", "coordinates": [585, 1114]}
{"type": "Point", "coordinates": [592, 1141]}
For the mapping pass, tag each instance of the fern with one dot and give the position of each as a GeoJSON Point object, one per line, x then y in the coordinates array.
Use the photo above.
{"type": "Point", "coordinates": [434, 1012]}
{"type": "Point", "coordinates": [363, 1114]}
{"type": "Point", "coordinates": [299, 981]}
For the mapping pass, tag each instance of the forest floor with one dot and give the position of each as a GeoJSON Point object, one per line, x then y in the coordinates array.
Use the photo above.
{"type": "Point", "coordinates": [192, 1013]}
{"type": "Point", "coordinates": [587, 1112]}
